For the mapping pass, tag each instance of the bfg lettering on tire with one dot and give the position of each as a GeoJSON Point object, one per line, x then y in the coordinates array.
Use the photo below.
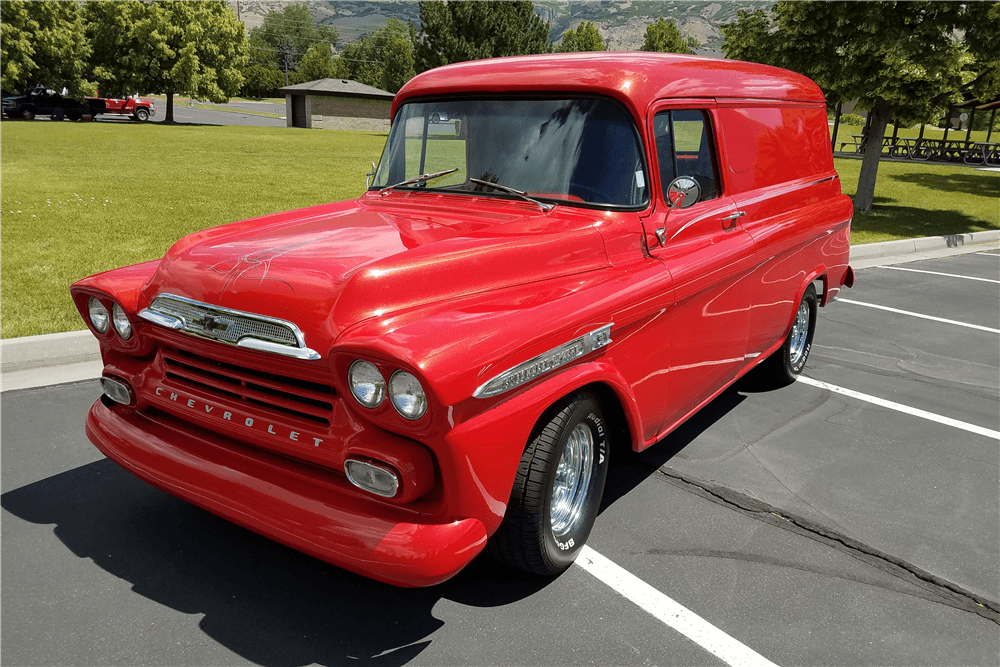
{"type": "Point", "coordinates": [558, 488]}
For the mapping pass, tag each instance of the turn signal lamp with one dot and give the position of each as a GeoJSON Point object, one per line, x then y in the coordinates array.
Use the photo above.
{"type": "Point", "coordinates": [371, 477]}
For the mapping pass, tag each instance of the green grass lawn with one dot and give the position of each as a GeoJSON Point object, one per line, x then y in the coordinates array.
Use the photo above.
{"type": "Point", "coordinates": [78, 198]}
{"type": "Point", "coordinates": [917, 199]}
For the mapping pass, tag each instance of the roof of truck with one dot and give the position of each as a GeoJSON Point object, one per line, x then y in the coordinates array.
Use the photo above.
{"type": "Point", "coordinates": [634, 78]}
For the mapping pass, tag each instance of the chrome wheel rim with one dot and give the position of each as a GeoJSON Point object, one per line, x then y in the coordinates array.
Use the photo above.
{"type": "Point", "coordinates": [569, 490]}
{"type": "Point", "coordinates": [800, 332]}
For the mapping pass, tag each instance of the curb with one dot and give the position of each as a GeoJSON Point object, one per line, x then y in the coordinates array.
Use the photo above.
{"type": "Point", "coordinates": [908, 246]}
{"type": "Point", "coordinates": [23, 360]}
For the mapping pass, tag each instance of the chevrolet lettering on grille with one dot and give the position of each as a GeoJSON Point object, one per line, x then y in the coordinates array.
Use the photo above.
{"type": "Point", "coordinates": [222, 414]}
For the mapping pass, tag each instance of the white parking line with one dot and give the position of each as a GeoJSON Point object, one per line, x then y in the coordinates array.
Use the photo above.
{"type": "Point", "coordinates": [936, 273]}
{"type": "Point", "coordinates": [673, 614]}
{"type": "Point", "coordinates": [899, 407]}
{"type": "Point", "coordinates": [920, 315]}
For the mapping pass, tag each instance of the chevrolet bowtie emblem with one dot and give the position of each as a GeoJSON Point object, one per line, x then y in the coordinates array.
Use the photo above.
{"type": "Point", "coordinates": [211, 327]}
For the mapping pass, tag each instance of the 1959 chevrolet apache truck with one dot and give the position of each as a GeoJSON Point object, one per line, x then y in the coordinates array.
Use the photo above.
{"type": "Point", "coordinates": [558, 257]}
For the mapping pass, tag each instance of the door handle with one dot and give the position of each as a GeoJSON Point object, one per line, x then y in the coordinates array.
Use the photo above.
{"type": "Point", "coordinates": [728, 222]}
{"type": "Point", "coordinates": [661, 236]}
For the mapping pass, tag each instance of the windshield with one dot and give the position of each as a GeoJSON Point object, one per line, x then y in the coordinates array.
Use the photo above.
{"type": "Point", "coordinates": [577, 151]}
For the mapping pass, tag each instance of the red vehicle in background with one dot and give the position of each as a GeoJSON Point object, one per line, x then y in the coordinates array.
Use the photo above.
{"type": "Point", "coordinates": [135, 107]}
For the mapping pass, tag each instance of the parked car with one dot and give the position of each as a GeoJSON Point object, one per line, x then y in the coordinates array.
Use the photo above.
{"type": "Point", "coordinates": [44, 102]}
{"type": "Point", "coordinates": [602, 245]}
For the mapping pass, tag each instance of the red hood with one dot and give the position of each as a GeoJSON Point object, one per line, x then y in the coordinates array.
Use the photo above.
{"type": "Point", "coordinates": [328, 267]}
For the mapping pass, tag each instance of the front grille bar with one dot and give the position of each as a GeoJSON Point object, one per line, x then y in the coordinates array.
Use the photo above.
{"type": "Point", "coordinates": [225, 325]}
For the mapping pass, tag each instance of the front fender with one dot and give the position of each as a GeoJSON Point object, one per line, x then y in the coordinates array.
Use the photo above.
{"type": "Point", "coordinates": [482, 453]}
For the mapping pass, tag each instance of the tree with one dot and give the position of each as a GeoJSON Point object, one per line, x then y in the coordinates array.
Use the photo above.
{"type": "Point", "coordinates": [383, 58]}
{"type": "Point", "coordinates": [260, 79]}
{"type": "Point", "coordinates": [318, 63]}
{"type": "Point", "coordinates": [43, 42]}
{"type": "Point", "coordinates": [289, 34]}
{"type": "Point", "coordinates": [664, 37]}
{"type": "Point", "coordinates": [900, 60]}
{"type": "Point", "coordinates": [192, 47]}
{"type": "Point", "coordinates": [462, 30]}
{"type": "Point", "coordinates": [586, 37]}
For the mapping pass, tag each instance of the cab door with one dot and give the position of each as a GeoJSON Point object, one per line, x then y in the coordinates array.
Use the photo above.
{"type": "Point", "coordinates": [709, 256]}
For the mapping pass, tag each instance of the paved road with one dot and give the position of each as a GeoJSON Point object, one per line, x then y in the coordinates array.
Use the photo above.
{"type": "Point", "coordinates": [185, 114]}
{"type": "Point", "coordinates": [812, 527]}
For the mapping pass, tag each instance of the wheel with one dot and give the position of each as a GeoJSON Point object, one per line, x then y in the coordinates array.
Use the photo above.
{"type": "Point", "coordinates": [558, 489]}
{"type": "Point", "coordinates": [28, 114]}
{"type": "Point", "coordinates": [57, 114]}
{"type": "Point", "coordinates": [142, 115]}
{"type": "Point", "coordinates": [435, 117]}
{"type": "Point", "coordinates": [787, 362]}
{"type": "Point", "coordinates": [73, 115]}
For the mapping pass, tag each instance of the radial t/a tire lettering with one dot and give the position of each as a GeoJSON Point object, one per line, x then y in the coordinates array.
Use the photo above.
{"type": "Point", "coordinates": [558, 488]}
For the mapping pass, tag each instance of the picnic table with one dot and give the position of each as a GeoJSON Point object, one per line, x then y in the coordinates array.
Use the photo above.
{"type": "Point", "coordinates": [948, 150]}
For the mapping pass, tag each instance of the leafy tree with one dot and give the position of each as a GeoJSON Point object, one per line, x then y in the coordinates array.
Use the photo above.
{"type": "Point", "coordinates": [259, 79]}
{"type": "Point", "coordinates": [383, 58]}
{"type": "Point", "coordinates": [586, 37]}
{"type": "Point", "coordinates": [664, 37]}
{"type": "Point", "coordinates": [43, 42]}
{"type": "Point", "coordinates": [900, 60]}
{"type": "Point", "coordinates": [289, 34]}
{"type": "Point", "coordinates": [191, 47]}
{"type": "Point", "coordinates": [319, 63]}
{"type": "Point", "coordinates": [462, 30]}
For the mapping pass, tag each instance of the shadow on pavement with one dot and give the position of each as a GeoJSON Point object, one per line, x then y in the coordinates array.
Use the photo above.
{"type": "Point", "coordinates": [266, 602]}
{"type": "Point", "coordinates": [631, 469]}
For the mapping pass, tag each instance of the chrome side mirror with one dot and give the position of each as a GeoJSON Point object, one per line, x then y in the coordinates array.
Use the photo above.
{"type": "Point", "coordinates": [683, 192]}
{"type": "Point", "coordinates": [368, 176]}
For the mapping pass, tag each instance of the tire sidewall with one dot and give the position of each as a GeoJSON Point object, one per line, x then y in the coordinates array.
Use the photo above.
{"type": "Point", "coordinates": [561, 552]}
{"type": "Point", "coordinates": [793, 370]}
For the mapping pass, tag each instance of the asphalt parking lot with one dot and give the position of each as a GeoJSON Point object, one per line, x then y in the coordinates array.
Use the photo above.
{"type": "Point", "coordinates": [852, 518]}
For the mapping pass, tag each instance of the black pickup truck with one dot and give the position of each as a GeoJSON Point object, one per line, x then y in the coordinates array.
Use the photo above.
{"type": "Point", "coordinates": [46, 102]}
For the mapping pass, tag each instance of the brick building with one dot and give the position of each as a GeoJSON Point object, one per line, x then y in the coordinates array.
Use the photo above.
{"type": "Point", "coordinates": [337, 104]}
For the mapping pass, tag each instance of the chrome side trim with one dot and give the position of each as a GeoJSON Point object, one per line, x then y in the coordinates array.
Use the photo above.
{"type": "Point", "coordinates": [229, 326]}
{"type": "Point", "coordinates": [545, 362]}
{"type": "Point", "coordinates": [278, 348]}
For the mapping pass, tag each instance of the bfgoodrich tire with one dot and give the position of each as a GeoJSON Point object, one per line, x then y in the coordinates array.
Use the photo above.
{"type": "Point", "coordinates": [558, 489]}
{"type": "Point", "coordinates": [787, 362]}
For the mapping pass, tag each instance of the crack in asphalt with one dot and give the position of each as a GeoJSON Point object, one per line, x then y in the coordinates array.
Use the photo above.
{"type": "Point", "coordinates": [935, 588]}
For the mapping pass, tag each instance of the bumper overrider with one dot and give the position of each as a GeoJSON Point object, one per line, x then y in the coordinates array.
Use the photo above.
{"type": "Point", "coordinates": [291, 502]}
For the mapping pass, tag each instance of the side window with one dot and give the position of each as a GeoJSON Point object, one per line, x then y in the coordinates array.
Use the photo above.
{"type": "Point", "coordinates": [684, 148]}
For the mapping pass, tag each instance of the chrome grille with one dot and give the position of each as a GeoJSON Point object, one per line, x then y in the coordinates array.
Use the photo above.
{"type": "Point", "coordinates": [205, 320]}
{"type": "Point", "coordinates": [259, 332]}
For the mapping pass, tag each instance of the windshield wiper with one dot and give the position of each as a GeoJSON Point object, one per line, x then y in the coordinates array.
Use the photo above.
{"type": "Point", "coordinates": [512, 191]}
{"type": "Point", "coordinates": [417, 179]}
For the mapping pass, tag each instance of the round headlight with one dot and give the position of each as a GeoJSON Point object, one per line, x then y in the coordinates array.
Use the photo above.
{"type": "Point", "coordinates": [120, 320]}
{"type": "Point", "coordinates": [99, 317]}
{"type": "Point", "coordinates": [367, 384]}
{"type": "Point", "coordinates": [407, 395]}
